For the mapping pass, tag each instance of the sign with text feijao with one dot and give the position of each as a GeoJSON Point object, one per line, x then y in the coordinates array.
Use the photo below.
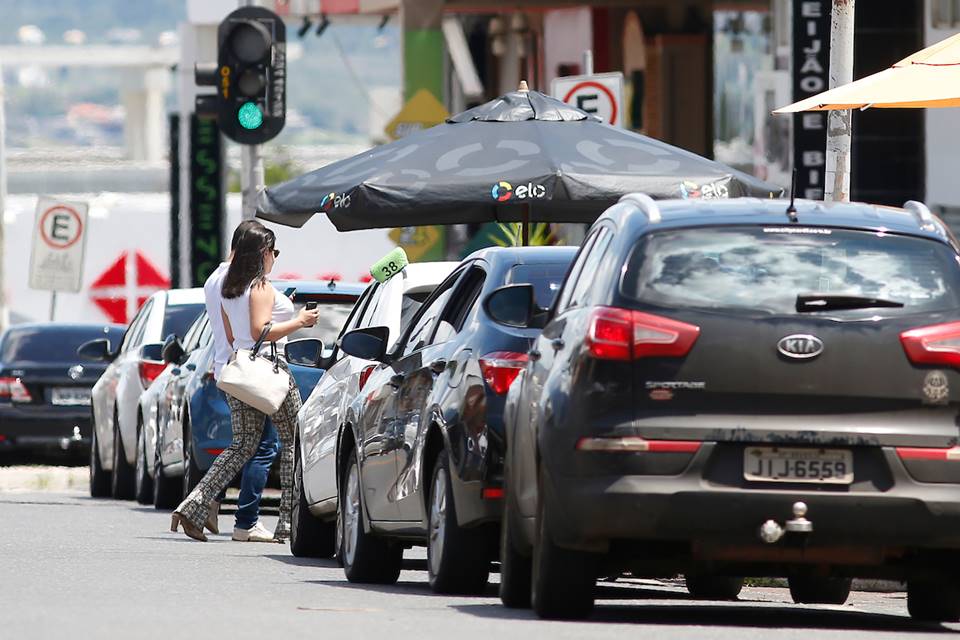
{"type": "Point", "coordinates": [811, 75]}
{"type": "Point", "coordinates": [59, 238]}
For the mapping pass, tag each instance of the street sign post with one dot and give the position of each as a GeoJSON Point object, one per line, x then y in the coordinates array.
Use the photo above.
{"type": "Point", "coordinates": [600, 94]}
{"type": "Point", "coordinates": [59, 238]}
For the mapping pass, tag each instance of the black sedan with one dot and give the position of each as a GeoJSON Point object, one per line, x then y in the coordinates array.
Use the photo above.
{"type": "Point", "coordinates": [740, 388]}
{"type": "Point", "coordinates": [44, 388]}
{"type": "Point", "coordinates": [420, 454]}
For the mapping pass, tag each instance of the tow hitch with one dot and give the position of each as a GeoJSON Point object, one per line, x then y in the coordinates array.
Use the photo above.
{"type": "Point", "coordinates": [771, 531]}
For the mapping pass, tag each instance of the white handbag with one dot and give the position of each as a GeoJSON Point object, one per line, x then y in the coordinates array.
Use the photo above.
{"type": "Point", "coordinates": [254, 379]}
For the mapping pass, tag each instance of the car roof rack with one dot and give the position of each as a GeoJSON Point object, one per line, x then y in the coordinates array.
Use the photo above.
{"type": "Point", "coordinates": [646, 204]}
{"type": "Point", "coordinates": [920, 211]}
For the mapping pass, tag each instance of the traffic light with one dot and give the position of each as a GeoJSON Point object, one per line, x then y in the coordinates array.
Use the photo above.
{"type": "Point", "coordinates": [250, 76]}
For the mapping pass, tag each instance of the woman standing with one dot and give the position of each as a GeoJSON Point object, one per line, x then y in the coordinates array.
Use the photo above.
{"type": "Point", "coordinates": [250, 304]}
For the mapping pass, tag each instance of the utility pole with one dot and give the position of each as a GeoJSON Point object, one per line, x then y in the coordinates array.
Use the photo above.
{"type": "Point", "coordinates": [251, 167]}
{"type": "Point", "coordinates": [840, 123]}
{"type": "Point", "coordinates": [4, 312]}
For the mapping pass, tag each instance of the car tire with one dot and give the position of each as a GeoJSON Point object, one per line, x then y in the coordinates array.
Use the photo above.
{"type": "Point", "coordinates": [144, 480]}
{"type": "Point", "coordinates": [563, 580]}
{"type": "Point", "coordinates": [123, 481]}
{"type": "Point", "coordinates": [99, 477]}
{"type": "Point", "coordinates": [366, 558]}
{"type": "Point", "coordinates": [167, 491]}
{"type": "Point", "coordinates": [933, 601]}
{"type": "Point", "coordinates": [819, 590]}
{"type": "Point", "coordinates": [457, 559]}
{"type": "Point", "coordinates": [515, 567]}
{"type": "Point", "coordinates": [704, 586]}
{"type": "Point", "coordinates": [310, 537]}
{"type": "Point", "coordinates": [191, 473]}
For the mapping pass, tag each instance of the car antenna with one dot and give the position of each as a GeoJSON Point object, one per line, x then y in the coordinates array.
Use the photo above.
{"type": "Point", "coordinates": [791, 208]}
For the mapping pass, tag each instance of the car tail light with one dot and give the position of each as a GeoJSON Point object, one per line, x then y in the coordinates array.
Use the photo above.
{"type": "Point", "coordinates": [938, 344]}
{"type": "Point", "coordinates": [622, 334]}
{"type": "Point", "coordinates": [365, 374]}
{"type": "Point", "coordinates": [13, 389]}
{"type": "Point", "coordinates": [214, 452]}
{"type": "Point", "coordinates": [149, 370]}
{"type": "Point", "coordinates": [923, 453]}
{"type": "Point", "coordinates": [636, 444]}
{"type": "Point", "coordinates": [501, 368]}
{"type": "Point", "coordinates": [492, 493]}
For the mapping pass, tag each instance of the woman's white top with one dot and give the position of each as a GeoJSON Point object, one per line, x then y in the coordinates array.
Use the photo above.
{"type": "Point", "coordinates": [238, 313]}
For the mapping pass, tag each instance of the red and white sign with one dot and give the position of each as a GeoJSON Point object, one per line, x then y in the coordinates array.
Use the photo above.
{"type": "Point", "coordinates": [125, 285]}
{"type": "Point", "coordinates": [59, 237]}
{"type": "Point", "coordinates": [600, 94]}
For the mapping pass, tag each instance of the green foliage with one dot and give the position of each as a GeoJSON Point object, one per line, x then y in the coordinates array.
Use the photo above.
{"type": "Point", "coordinates": [511, 235]}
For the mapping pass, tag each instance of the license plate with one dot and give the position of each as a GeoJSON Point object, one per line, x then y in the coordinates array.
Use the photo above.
{"type": "Point", "coordinates": [820, 466]}
{"type": "Point", "coordinates": [70, 396]}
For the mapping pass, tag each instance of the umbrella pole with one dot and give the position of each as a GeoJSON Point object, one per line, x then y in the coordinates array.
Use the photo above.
{"type": "Point", "coordinates": [525, 226]}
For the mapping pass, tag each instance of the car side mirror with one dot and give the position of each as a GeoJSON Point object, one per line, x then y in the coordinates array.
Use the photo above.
{"type": "Point", "coordinates": [98, 349]}
{"type": "Point", "coordinates": [515, 306]}
{"type": "Point", "coordinates": [305, 352]}
{"type": "Point", "coordinates": [152, 351]}
{"type": "Point", "coordinates": [367, 344]}
{"type": "Point", "coordinates": [172, 352]}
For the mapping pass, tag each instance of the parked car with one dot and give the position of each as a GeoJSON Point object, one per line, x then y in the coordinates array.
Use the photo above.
{"type": "Point", "coordinates": [116, 396]}
{"type": "Point", "coordinates": [390, 304]}
{"type": "Point", "coordinates": [44, 389]}
{"type": "Point", "coordinates": [421, 447]}
{"type": "Point", "coordinates": [736, 388]}
{"type": "Point", "coordinates": [193, 418]}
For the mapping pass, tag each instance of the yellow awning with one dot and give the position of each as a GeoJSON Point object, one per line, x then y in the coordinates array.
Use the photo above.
{"type": "Point", "coordinates": [929, 78]}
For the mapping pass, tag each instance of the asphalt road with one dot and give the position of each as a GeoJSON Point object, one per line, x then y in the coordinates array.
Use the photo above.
{"type": "Point", "coordinates": [72, 567]}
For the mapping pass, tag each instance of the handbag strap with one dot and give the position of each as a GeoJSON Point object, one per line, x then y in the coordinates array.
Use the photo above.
{"type": "Point", "coordinates": [259, 343]}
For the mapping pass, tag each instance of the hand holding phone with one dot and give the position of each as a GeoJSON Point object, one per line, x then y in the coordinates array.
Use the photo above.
{"type": "Point", "coordinates": [311, 305]}
{"type": "Point", "coordinates": [289, 291]}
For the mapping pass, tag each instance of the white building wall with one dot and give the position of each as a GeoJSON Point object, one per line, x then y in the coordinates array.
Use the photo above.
{"type": "Point", "coordinates": [567, 33]}
{"type": "Point", "coordinates": [942, 133]}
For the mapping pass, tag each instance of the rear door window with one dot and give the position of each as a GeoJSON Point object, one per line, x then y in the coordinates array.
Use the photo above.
{"type": "Point", "coordinates": [759, 269]}
{"type": "Point", "coordinates": [546, 279]}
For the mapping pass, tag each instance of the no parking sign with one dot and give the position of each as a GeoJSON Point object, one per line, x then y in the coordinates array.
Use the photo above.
{"type": "Point", "coordinates": [59, 236]}
{"type": "Point", "coordinates": [600, 94]}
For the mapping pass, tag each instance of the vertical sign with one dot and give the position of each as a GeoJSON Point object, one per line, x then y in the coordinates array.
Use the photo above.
{"type": "Point", "coordinates": [206, 199]}
{"type": "Point", "coordinates": [174, 125]}
{"type": "Point", "coordinates": [811, 66]}
{"type": "Point", "coordinates": [59, 237]}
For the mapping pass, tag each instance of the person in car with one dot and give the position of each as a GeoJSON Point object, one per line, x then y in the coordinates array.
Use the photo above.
{"type": "Point", "coordinates": [250, 303]}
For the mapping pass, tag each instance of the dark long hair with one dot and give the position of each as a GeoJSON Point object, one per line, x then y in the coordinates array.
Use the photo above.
{"type": "Point", "coordinates": [247, 265]}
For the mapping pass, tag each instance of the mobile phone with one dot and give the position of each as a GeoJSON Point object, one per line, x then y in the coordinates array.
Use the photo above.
{"type": "Point", "coordinates": [311, 305]}
{"type": "Point", "coordinates": [289, 291]}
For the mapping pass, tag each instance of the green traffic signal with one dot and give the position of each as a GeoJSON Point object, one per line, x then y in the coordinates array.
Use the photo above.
{"type": "Point", "coordinates": [250, 116]}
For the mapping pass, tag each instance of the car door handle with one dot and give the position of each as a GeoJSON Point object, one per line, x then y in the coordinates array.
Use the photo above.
{"type": "Point", "coordinates": [397, 379]}
{"type": "Point", "coordinates": [191, 367]}
{"type": "Point", "coordinates": [557, 344]}
{"type": "Point", "coordinates": [438, 366]}
{"type": "Point", "coordinates": [534, 354]}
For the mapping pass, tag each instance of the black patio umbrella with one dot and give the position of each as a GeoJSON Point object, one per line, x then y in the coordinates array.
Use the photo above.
{"type": "Point", "coordinates": [524, 156]}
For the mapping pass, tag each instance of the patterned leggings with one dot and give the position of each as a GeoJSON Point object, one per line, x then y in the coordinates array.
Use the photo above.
{"type": "Point", "coordinates": [247, 429]}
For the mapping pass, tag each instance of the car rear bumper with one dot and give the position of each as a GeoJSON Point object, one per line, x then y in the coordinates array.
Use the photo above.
{"type": "Point", "coordinates": [591, 512]}
{"type": "Point", "coordinates": [43, 427]}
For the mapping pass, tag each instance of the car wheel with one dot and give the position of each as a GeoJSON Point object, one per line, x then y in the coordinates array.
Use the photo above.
{"type": "Point", "coordinates": [310, 537]}
{"type": "Point", "coordinates": [563, 580]}
{"type": "Point", "coordinates": [99, 478]}
{"type": "Point", "coordinates": [144, 481]}
{"type": "Point", "coordinates": [167, 491]}
{"type": "Point", "coordinates": [457, 561]}
{"type": "Point", "coordinates": [123, 482]}
{"type": "Point", "coordinates": [711, 587]}
{"type": "Point", "coordinates": [366, 557]}
{"type": "Point", "coordinates": [191, 473]}
{"type": "Point", "coordinates": [515, 567]}
{"type": "Point", "coordinates": [933, 601]}
{"type": "Point", "coordinates": [819, 590]}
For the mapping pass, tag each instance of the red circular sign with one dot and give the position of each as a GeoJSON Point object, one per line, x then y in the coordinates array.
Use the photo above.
{"type": "Point", "coordinates": [595, 85]}
{"type": "Point", "coordinates": [52, 241]}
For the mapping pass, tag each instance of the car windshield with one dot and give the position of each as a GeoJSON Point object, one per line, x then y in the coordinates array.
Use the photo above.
{"type": "Point", "coordinates": [179, 318]}
{"type": "Point", "coordinates": [52, 344]}
{"type": "Point", "coordinates": [546, 279]}
{"type": "Point", "coordinates": [768, 269]}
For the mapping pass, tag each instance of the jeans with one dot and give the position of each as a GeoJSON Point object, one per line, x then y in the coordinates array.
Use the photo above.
{"type": "Point", "coordinates": [254, 478]}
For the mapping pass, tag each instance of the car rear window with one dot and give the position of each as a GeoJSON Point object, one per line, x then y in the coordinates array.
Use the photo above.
{"type": "Point", "coordinates": [546, 279]}
{"type": "Point", "coordinates": [179, 318]}
{"type": "Point", "coordinates": [334, 312]}
{"type": "Point", "coordinates": [765, 268]}
{"type": "Point", "coordinates": [53, 344]}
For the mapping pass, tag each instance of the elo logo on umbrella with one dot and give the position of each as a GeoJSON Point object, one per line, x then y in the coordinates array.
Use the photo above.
{"type": "Point", "coordinates": [327, 203]}
{"type": "Point", "coordinates": [502, 191]}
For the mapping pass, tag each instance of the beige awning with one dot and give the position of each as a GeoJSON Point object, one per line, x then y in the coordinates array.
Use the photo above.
{"type": "Point", "coordinates": [928, 78]}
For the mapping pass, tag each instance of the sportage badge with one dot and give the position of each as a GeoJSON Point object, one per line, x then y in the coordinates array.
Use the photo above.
{"type": "Point", "coordinates": [800, 346]}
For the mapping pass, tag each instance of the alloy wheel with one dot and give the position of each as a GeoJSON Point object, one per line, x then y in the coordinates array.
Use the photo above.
{"type": "Point", "coordinates": [438, 518]}
{"type": "Point", "coordinates": [351, 519]}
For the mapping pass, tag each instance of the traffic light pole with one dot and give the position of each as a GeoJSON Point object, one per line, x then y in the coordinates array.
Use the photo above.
{"type": "Point", "coordinates": [251, 177]}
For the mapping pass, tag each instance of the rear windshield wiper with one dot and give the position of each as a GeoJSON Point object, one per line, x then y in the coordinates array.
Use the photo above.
{"type": "Point", "coordinates": [827, 302]}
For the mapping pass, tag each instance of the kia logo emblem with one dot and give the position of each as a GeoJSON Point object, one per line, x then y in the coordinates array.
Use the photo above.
{"type": "Point", "coordinates": [800, 346]}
